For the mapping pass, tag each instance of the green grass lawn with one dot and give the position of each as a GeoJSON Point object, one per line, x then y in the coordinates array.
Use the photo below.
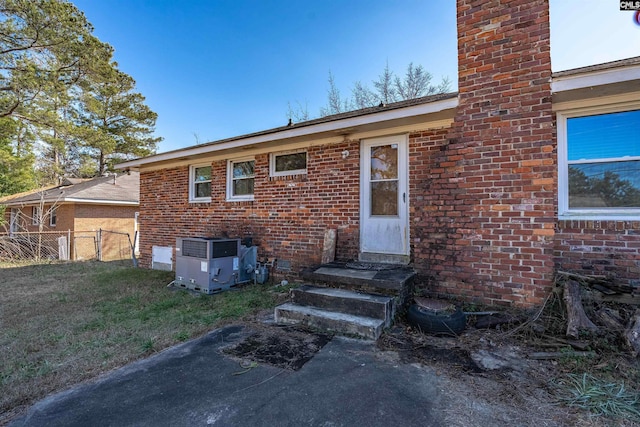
{"type": "Point", "coordinates": [64, 323]}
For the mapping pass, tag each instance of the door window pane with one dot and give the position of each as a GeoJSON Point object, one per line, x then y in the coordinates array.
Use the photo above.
{"type": "Point", "coordinates": [384, 162]}
{"type": "Point", "coordinates": [384, 180]}
{"type": "Point", "coordinates": [384, 198]}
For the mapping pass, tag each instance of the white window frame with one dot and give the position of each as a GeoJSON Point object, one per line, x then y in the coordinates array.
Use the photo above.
{"type": "Point", "coordinates": [36, 213]}
{"type": "Point", "coordinates": [230, 162]}
{"type": "Point", "coordinates": [192, 183]}
{"type": "Point", "coordinates": [53, 216]}
{"type": "Point", "coordinates": [564, 213]}
{"type": "Point", "coordinates": [272, 163]}
{"type": "Point", "coordinates": [14, 220]}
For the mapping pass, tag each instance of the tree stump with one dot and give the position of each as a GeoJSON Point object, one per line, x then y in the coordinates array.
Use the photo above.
{"type": "Point", "coordinates": [577, 319]}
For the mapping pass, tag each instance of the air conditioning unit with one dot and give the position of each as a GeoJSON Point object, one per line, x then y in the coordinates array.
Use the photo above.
{"type": "Point", "coordinates": [211, 264]}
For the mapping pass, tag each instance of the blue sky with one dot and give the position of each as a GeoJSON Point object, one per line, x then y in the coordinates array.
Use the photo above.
{"type": "Point", "coordinates": [214, 69]}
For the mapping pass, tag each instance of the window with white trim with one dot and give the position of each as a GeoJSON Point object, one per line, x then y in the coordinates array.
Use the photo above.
{"type": "Point", "coordinates": [200, 183]}
{"type": "Point", "coordinates": [14, 220]}
{"type": "Point", "coordinates": [240, 179]}
{"type": "Point", "coordinates": [288, 163]}
{"type": "Point", "coordinates": [599, 164]}
{"type": "Point", "coordinates": [36, 215]}
{"type": "Point", "coordinates": [53, 216]}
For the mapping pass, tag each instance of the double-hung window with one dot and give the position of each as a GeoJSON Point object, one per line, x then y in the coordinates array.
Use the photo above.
{"type": "Point", "coordinates": [53, 216]}
{"type": "Point", "coordinates": [14, 221]}
{"type": "Point", "coordinates": [599, 164]}
{"type": "Point", "coordinates": [200, 183]}
{"type": "Point", "coordinates": [36, 215]}
{"type": "Point", "coordinates": [240, 179]}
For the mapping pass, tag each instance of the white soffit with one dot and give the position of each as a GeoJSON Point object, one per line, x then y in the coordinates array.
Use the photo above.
{"type": "Point", "coordinates": [595, 78]}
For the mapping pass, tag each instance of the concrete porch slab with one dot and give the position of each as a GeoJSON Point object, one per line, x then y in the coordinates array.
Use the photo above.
{"type": "Point", "coordinates": [387, 281]}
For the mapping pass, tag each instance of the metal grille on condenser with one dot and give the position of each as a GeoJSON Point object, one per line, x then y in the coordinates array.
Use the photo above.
{"type": "Point", "coordinates": [194, 248]}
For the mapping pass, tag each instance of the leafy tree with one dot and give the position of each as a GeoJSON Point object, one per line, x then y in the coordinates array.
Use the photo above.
{"type": "Point", "coordinates": [43, 43]}
{"type": "Point", "coordinates": [59, 83]}
{"type": "Point", "coordinates": [16, 160]}
{"type": "Point", "coordinates": [115, 123]}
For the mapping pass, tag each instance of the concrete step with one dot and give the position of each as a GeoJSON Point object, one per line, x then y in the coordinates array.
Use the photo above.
{"type": "Point", "coordinates": [339, 323]}
{"type": "Point", "coordinates": [345, 301]}
{"type": "Point", "coordinates": [389, 282]}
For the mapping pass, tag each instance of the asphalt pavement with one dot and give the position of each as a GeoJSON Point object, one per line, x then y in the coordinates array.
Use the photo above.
{"type": "Point", "coordinates": [349, 382]}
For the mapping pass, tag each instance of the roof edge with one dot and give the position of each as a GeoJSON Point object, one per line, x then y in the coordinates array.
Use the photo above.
{"type": "Point", "coordinates": [424, 105]}
{"type": "Point", "coordinates": [635, 60]}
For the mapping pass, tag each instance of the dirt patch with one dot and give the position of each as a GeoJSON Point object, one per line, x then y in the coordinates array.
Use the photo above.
{"type": "Point", "coordinates": [288, 347]}
{"type": "Point", "coordinates": [489, 378]}
{"type": "Point", "coordinates": [414, 347]}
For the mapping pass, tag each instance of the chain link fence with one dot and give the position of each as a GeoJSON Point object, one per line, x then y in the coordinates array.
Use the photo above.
{"type": "Point", "coordinates": [102, 245]}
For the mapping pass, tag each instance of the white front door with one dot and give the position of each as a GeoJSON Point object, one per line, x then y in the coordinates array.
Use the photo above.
{"type": "Point", "coordinates": [384, 219]}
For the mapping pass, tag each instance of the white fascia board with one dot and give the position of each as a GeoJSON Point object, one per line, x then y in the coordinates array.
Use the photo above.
{"type": "Point", "coordinates": [595, 78]}
{"type": "Point", "coordinates": [73, 200]}
{"type": "Point", "coordinates": [101, 202]}
{"type": "Point", "coordinates": [400, 113]}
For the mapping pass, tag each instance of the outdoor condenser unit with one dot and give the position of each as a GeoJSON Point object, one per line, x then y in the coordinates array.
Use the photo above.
{"type": "Point", "coordinates": [211, 264]}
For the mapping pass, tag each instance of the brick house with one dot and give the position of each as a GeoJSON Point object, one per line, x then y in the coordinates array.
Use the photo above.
{"type": "Point", "coordinates": [80, 208]}
{"type": "Point", "coordinates": [472, 189]}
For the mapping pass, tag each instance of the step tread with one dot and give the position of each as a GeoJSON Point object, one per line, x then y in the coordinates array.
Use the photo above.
{"type": "Point", "coordinates": [314, 311]}
{"type": "Point", "coordinates": [384, 281]}
{"type": "Point", "coordinates": [344, 293]}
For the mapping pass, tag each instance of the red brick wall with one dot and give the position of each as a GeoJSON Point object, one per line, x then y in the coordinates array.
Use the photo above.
{"type": "Point", "coordinates": [492, 189]}
{"type": "Point", "coordinates": [610, 248]}
{"type": "Point", "coordinates": [483, 194]}
{"type": "Point", "coordinates": [287, 218]}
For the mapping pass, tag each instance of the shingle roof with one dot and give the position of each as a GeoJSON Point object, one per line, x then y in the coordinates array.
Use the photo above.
{"type": "Point", "coordinates": [599, 67]}
{"type": "Point", "coordinates": [5, 199]}
{"type": "Point", "coordinates": [105, 189]}
{"type": "Point", "coordinates": [334, 117]}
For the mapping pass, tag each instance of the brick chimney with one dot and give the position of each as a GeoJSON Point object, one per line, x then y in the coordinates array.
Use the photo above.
{"type": "Point", "coordinates": [501, 155]}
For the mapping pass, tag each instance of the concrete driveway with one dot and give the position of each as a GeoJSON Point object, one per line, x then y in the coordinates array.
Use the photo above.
{"type": "Point", "coordinates": [348, 382]}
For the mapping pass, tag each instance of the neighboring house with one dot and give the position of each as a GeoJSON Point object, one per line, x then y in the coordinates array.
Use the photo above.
{"type": "Point", "coordinates": [79, 208]}
{"type": "Point", "coordinates": [484, 192]}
